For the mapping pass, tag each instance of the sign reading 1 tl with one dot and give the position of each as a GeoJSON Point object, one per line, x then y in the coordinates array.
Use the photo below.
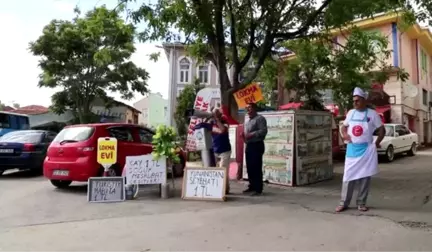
{"type": "Point", "coordinates": [107, 151]}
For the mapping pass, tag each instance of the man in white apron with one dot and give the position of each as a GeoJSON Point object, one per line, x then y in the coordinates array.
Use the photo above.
{"type": "Point", "coordinates": [361, 161]}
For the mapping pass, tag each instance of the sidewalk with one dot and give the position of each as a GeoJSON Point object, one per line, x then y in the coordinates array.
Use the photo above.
{"type": "Point", "coordinates": [401, 192]}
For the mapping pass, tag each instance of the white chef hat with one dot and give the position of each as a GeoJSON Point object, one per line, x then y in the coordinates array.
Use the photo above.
{"type": "Point", "coordinates": [360, 92]}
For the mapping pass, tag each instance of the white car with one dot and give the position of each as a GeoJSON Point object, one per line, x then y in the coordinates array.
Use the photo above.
{"type": "Point", "coordinates": [398, 139]}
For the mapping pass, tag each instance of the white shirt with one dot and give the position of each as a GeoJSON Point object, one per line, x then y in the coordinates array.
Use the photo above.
{"type": "Point", "coordinates": [374, 119]}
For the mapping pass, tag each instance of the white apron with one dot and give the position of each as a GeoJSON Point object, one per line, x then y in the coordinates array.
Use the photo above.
{"type": "Point", "coordinates": [361, 158]}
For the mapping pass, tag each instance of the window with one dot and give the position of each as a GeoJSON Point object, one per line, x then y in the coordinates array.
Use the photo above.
{"type": "Point", "coordinates": [74, 134]}
{"type": "Point", "coordinates": [145, 136]}
{"type": "Point", "coordinates": [389, 131]}
{"type": "Point", "coordinates": [4, 120]}
{"type": "Point", "coordinates": [122, 134]}
{"type": "Point", "coordinates": [203, 74]}
{"type": "Point", "coordinates": [184, 70]}
{"type": "Point", "coordinates": [22, 137]}
{"type": "Point", "coordinates": [402, 130]}
{"type": "Point", "coordinates": [145, 113]}
{"type": "Point", "coordinates": [179, 90]}
{"type": "Point", "coordinates": [165, 111]}
{"type": "Point", "coordinates": [49, 137]}
{"type": "Point", "coordinates": [425, 97]}
{"type": "Point", "coordinates": [423, 63]}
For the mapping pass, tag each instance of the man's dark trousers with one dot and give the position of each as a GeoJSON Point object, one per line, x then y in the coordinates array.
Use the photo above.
{"type": "Point", "coordinates": [254, 163]}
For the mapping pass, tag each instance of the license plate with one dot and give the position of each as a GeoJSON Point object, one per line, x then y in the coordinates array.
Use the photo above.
{"type": "Point", "coordinates": [61, 173]}
{"type": "Point", "coordinates": [6, 150]}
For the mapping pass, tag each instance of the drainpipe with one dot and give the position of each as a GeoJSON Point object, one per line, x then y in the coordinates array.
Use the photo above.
{"type": "Point", "coordinates": [401, 84]}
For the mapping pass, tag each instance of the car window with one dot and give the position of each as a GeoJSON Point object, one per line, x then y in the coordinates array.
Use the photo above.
{"type": "Point", "coordinates": [74, 134]}
{"type": "Point", "coordinates": [145, 136]}
{"type": "Point", "coordinates": [121, 133]}
{"type": "Point", "coordinates": [401, 130]}
{"type": "Point", "coordinates": [389, 131]}
{"type": "Point", "coordinates": [21, 137]}
{"type": "Point", "coordinates": [407, 131]}
{"type": "Point", "coordinates": [49, 137]}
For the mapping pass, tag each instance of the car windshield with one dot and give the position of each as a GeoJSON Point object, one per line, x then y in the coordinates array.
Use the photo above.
{"type": "Point", "coordinates": [74, 134]}
{"type": "Point", "coordinates": [389, 131]}
{"type": "Point", "coordinates": [21, 137]}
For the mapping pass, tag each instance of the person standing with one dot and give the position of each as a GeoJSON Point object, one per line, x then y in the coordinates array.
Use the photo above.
{"type": "Point", "coordinates": [361, 161]}
{"type": "Point", "coordinates": [255, 131]}
{"type": "Point", "coordinates": [221, 144]}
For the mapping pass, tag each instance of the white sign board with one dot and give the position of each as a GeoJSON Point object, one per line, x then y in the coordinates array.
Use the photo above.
{"type": "Point", "coordinates": [144, 170]}
{"type": "Point", "coordinates": [204, 184]}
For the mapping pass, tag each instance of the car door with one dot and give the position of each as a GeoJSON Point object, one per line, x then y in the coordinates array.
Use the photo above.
{"type": "Point", "coordinates": [146, 137]}
{"type": "Point", "coordinates": [400, 139]}
{"type": "Point", "coordinates": [408, 138]}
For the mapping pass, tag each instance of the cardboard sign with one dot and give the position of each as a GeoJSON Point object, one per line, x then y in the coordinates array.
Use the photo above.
{"type": "Point", "coordinates": [250, 94]}
{"type": "Point", "coordinates": [144, 170]}
{"type": "Point", "coordinates": [106, 189]}
{"type": "Point", "coordinates": [204, 184]}
{"type": "Point", "coordinates": [107, 151]}
{"type": "Point", "coordinates": [205, 99]}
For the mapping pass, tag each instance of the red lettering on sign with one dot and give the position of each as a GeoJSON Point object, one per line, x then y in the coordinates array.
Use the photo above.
{"type": "Point", "coordinates": [105, 147]}
{"type": "Point", "coordinates": [246, 92]}
{"type": "Point", "coordinates": [198, 102]}
{"type": "Point", "coordinates": [105, 155]}
{"type": "Point", "coordinates": [205, 106]}
{"type": "Point", "coordinates": [250, 99]}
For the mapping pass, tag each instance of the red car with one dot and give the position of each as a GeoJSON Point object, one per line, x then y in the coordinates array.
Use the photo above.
{"type": "Point", "coordinates": [72, 154]}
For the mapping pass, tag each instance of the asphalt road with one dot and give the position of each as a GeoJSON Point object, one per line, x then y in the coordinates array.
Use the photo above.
{"type": "Point", "coordinates": [36, 216]}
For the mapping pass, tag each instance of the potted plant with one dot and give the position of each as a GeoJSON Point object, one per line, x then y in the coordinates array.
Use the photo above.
{"type": "Point", "coordinates": [164, 146]}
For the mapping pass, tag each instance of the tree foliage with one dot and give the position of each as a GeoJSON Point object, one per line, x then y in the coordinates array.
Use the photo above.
{"type": "Point", "coordinates": [235, 32]}
{"type": "Point", "coordinates": [327, 64]}
{"type": "Point", "coordinates": [86, 58]}
{"type": "Point", "coordinates": [185, 101]}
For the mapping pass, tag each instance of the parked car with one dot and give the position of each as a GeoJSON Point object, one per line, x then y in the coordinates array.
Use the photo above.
{"type": "Point", "coordinates": [398, 139]}
{"type": "Point", "coordinates": [72, 156]}
{"type": "Point", "coordinates": [24, 149]}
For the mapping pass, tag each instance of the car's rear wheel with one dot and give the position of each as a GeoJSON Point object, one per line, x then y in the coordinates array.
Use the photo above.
{"type": "Point", "coordinates": [389, 155]}
{"type": "Point", "coordinates": [413, 150]}
{"type": "Point", "coordinates": [61, 184]}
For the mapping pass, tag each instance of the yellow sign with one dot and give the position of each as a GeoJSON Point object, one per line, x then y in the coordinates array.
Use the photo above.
{"type": "Point", "coordinates": [107, 151]}
{"type": "Point", "coordinates": [249, 94]}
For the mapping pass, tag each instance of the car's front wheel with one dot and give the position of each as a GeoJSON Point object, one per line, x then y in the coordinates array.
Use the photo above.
{"type": "Point", "coordinates": [413, 150]}
{"type": "Point", "coordinates": [389, 155]}
{"type": "Point", "coordinates": [61, 184]}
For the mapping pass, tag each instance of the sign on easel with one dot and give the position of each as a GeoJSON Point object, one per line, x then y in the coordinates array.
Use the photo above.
{"type": "Point", "coordinates": [144, 170]}
{"type": "Point", "coordinates": [106, 189]}
{"type": "Point", "coordinates": [204, 184]}
{"type": "Point", "coordinates": [107, 152]}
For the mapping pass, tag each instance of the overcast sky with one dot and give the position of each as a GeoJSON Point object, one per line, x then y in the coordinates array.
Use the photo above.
{"type": "Point", "coordinates": [22, 21]}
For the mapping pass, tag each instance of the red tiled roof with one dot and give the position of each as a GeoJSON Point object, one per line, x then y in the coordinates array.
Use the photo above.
{"type": "Point", "coordinates": [28, 111]}
{"type": "Point", "coordinates": [7, 108]}
{"type": "Point", "coordinates": [34, 107]}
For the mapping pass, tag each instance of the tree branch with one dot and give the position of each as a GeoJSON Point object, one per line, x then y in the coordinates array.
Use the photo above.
{"type": "Point", "coordinates": [305, 27]}
{"type": "Point", "coordinates": [251, 44]}
{"type": "Point", "coordinates": [235, 56]}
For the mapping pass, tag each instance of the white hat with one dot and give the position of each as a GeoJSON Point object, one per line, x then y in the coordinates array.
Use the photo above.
{"type": "Point", "coordinates": [359, 92]}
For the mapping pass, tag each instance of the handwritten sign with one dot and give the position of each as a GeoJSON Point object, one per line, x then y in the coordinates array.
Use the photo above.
{"type": "Point", "coordinates": [144, 170]}
{"type": "Point", "coordinates": [107, 151]}
{"type": "Point", "coordinates": [106, 189]}
{"type": "Point", "coordinates": [204, 184]}
{"type": "Point", "coordinates": [249, 94]}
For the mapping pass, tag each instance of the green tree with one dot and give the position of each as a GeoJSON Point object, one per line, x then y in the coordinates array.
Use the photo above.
{"type": "Point", "coordinates": [87, 58]}
{"type": "Point", "coordinates": [235, 32]}
{"type": "Point", "coordinates": [185, 101]}
{"type": "Point", "coordinates": [325, 64]}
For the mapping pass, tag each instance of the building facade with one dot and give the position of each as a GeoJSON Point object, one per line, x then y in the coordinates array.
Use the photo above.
{"type": "Point", "coordinates": [154, 110]}
{"type": "Point", "coordinates": [184, 70]}
{"type": "Point", "coordinates": [410, 101]}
